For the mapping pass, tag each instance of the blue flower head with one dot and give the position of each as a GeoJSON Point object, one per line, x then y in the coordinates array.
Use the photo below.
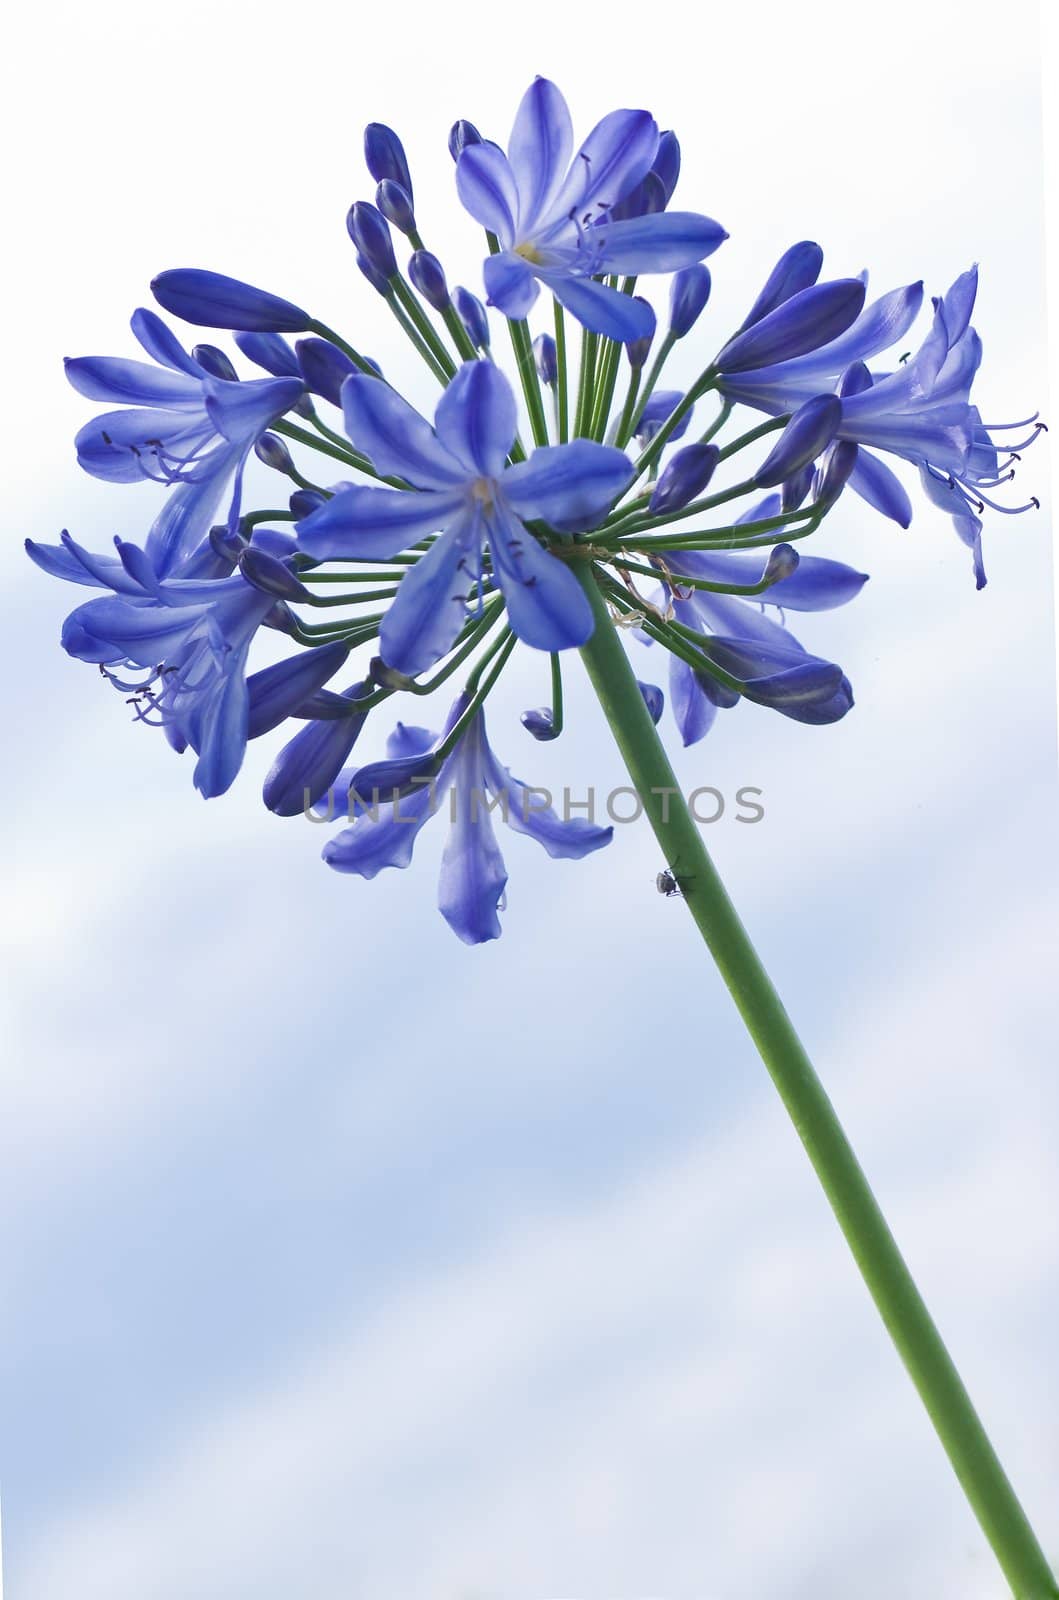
{"type": "Point", "coordinates": [467, 493]}
{"type": "Point", "coordinates": [551, 211]}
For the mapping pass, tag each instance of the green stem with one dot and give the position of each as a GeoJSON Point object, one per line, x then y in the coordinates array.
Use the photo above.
{"type": "Point", "coordinates": [906, 1317]}
{"type": "Point", "coordinates": [562, 385]}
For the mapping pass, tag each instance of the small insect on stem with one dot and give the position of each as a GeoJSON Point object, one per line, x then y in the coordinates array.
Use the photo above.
{"type": "Point", "coordinates": [667, 884]}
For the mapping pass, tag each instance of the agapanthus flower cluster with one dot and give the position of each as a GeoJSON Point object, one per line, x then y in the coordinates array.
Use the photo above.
{"type": "Point", "coordinates": [408, 549]}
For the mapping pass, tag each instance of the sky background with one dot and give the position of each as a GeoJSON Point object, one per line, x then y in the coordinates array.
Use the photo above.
{"type": "Point", "coordinates": [343, 1261]}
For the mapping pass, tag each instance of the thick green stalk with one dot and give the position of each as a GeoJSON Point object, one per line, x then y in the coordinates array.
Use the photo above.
{"type": "Point", "coordinates": [884, 1271]}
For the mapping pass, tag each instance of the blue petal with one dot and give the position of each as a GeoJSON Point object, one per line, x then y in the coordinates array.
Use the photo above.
{"type": "Point", "coordinates": [486, 185]}
{"type": "Point", "coordinates": [430, 607]}
{"type": "Point", "coordinates": [394, 437]}
{"type": "Point", "coordinates": [613, 159]}
{"type": "Point", "coordinates": [569, 486]}
{"type": "Point", "coordinates": [372, 843]}
{"type": "Point", "coordinates": [601, 309]}
{"type": "Point", "coordinates": [546, 605]}
{"type": "Point", "coordinates": [539, 149]}
{"type": "Point", "coordinates": [476, 418]}
{"type": "Point", "coordinates": [509, 284]}
{"type": "Point", "coordinates": [72, 562]}
{"type": "Point", "coordinates": [693, 711]}
{"type": "Point", "coordinates": [367, 524]}
{"type": "Point", "coordinates": [222, 731]}
{"type": "Point", "coordinates": [145, 634]}
{"type": "Point", "coordinates": [473, 875]}
{"type": "Point", "coordinates": [187, 515]}
{"type": "Point", "coordinates": [407, 742]}
{"type": "Point", "coordinates": [276, 692]}
{"type": "Point", "coordinates": [874, 482]}
{"type": "Point", "coordinates": [569, 840]}
{"type": "Point", "coordinates": [810, 430]}
{"type": "Point", "coordinates": [663, 242]}
{"type": "Point", "coordinates": [958, 304]}
{"type": "Point", "coordinates": [241, 411]}
{"type": "Point", "coordinates": [131, 382]}
{"type": "Point", "coordinates": [162, 344]}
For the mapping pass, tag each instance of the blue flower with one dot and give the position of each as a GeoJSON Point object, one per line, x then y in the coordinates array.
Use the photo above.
{"type": "Point", "coordinates": [182, 427]}
{"type": "Point", "coordinates": [464, 488]}
{"type": "Point", "coordinates": [187, 637]}
{"type": "Point", "coordinates": [551, 211]}
{"type": "Point", "coordinates": [773, 667]}
{"type": "Point", "coordinates": [394, 798]}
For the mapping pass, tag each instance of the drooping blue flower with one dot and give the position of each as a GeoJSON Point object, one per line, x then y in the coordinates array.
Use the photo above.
{"type": "Point", "coordinates": [920, 411]}
{"type": "Point", "coordinates": [775, 670]}
{"type": "Point", "coordinates": [552, 212]}
{"type": "Point", "coordinates": [464, 490]}
{"type": "Point", "coordinates": [188, 636]}
{"type": "Point", "coordinates": [180, 426]}
{"type": "Point", "coordinates": [394, 798]}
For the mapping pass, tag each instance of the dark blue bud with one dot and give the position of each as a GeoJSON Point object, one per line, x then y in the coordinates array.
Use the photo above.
{"type": "Point", "coordinates": [834, 474]}
{"type": "Point", "coordinates": [547, 359]}
{"type": "Point", "coordinates": [385, 158]}
{"type": "Point", "coordinates": [369, 232]}
{"type": "Point", "coordinates": [783, 560]}
{"type": "Point", "coordinates": [306, 768]}
{"type": "Point", "coordinates": [428, 275]}
{"type": "Point", "coordinates": [686, 475]}
{"type": "Point", "coordinates": [324, 367]}
{"type": "Point", "coordinates": [855, 380]}
{"type": "Point", "coordinates": [303, 502]}
{"type": "Point", "coordinates": [395, 203]}
{"type": "Point", "coordinates": [473, 316]}
{"type": "Point", "coordinates": [785, 679]}
{"type": "Point", "coordinates": [211, 300]}
{"type": "Point", "coordinates": [271, 576]}
{"type": "Point", "coordinates": [645, 200]}
{"type": "Point", "coordinates": [387, 677]}
{"type": "Point", "coordinates": [688, 294]}
{"type": "Point", "coordinates": [386, 782]}
{"type": "Point", "coordinates": [540, 723]}
{"type": "Point", "coordinates": [277, 692]}
{"type": "Point", "coordinates": [796, 269]}
{"type": "Point", "coordinates": [657, 411]}
{"type": "Point", "coordinates": [376, 279]}
{"type": "Point", "coordinates": [461, 134]}
{"type": "Point", "coordinates": [282, 618]}
{"type": "Point", "coordinates": [215, 362]}
{"type": "Point", "coordinates": [653, 699]}
{"type": "Point", "coordinates": [274, 453]}
{"type": "Point", "coordinates": [666, 164]}
{"type": "Point", "coordinates": [806, 436]}
{"type": "Point", "coordinates": [809, 319]}
{"type": "Point", "coordinates": [227, 545]}
{"type": "Point", "coordinates": [796, 488]}
{"type": "Point", "coordinates": [270, 351]}
{"type": "Point", "coordinates": [638, 350]}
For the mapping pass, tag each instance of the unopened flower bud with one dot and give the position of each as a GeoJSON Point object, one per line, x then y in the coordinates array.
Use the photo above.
{"type": "Point", "coordinates": [796, 269]}
{"type": "Point", "coordinates": [688, 293]}
{"type": "Point", "coordinates": [783, 560]}
{"type": "Point", "coordinates": [369, 232]}
{"type": "Point", "coordinates": [274, 453]}
{"type": "Point", "coordinates": [806, 436]}
{"type": "Point", "coordinates": [547, 359]}
{"type": "Point", "coordinates": [376, 279]}
{"type": "Point", "coordinates": [686, 475]}
{"type": "Point", "coordinates": [540, 723]}
{"type": "Point", "coordinates": [653, 699]}
{"type": "Point", "coordinates": [834, 475]}
{"type": "Point", "coordinates": [303, 502]}
{"type": "Point", "coordinates": [385, 158]}
{"type": "Point", "coordinates": [638, 350]}
{"type": "Point", "coordinates": [210, 300]}
{"type": "Point", "coordinates": [324, 367]}
{"type": "Point", "coordinates": [806, 321]}
{"type": "Point", "coordinates": [395, 203]}
{"type": "Point", "coordinates": [797, 487]}
{"type": "Point", "coordinates": [461, 134]}
{"type": "Point", "coordinates": [271, 575]}
{"type": "Point", "coordinates": [215, 362]}
{"type": "Point", "coordinates": [428, 275]}
{"type": "Point", "coordinates": [666, 164]}
{"type": "Point", "coordinates": [473, 316]}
